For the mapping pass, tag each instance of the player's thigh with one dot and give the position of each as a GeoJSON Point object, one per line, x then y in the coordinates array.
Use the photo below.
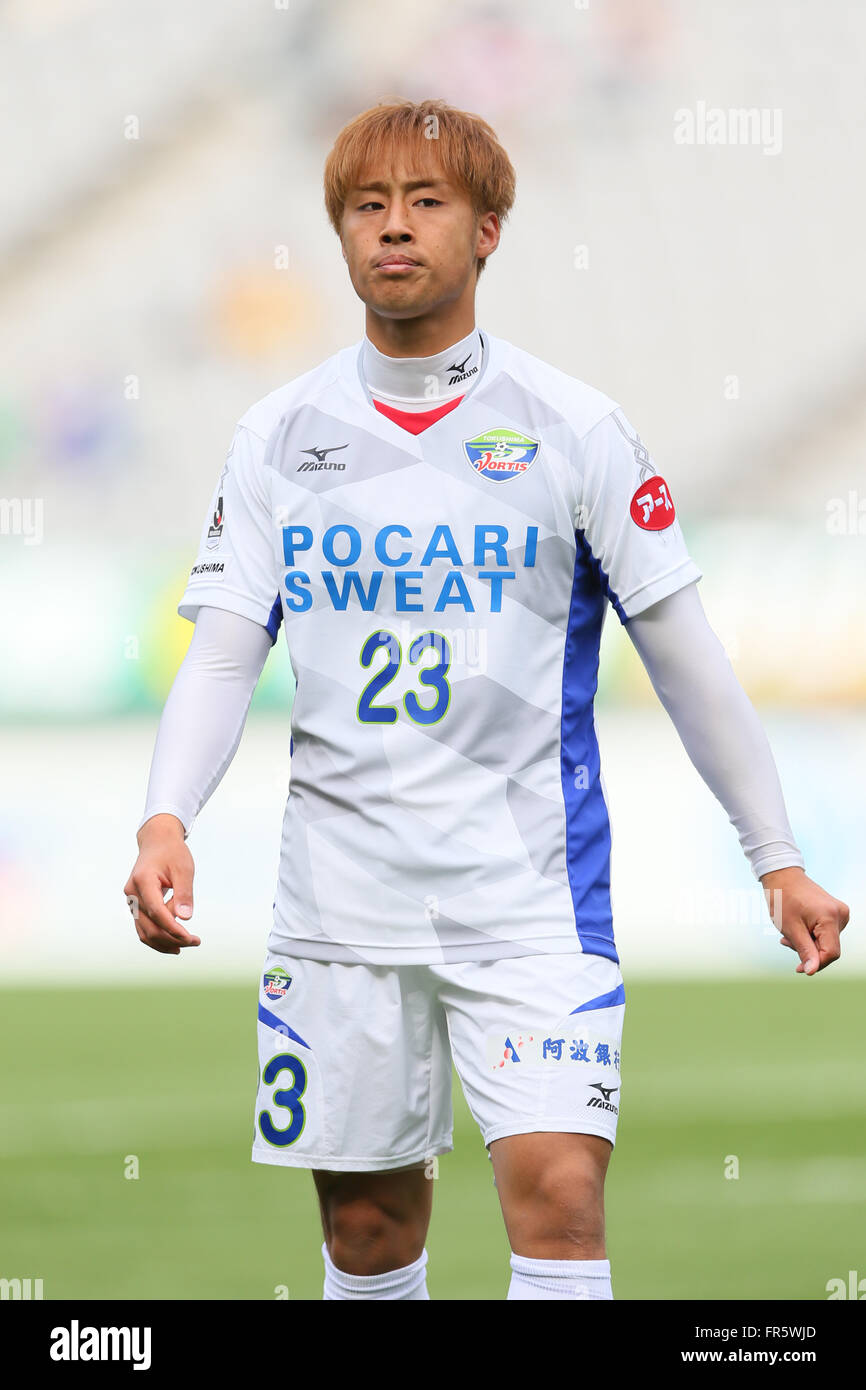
{"type": "Point", "coordinates": [537, 1042]}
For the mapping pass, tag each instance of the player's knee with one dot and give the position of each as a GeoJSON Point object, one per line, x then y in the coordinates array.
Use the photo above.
{"type": "Point", "coordinates": [564, 1201]}
{"type": "Point", "coordinates": [365, 1238]}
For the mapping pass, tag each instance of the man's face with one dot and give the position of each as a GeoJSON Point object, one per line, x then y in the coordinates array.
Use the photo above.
{"type": "Point", "coordinates": [410, 238]}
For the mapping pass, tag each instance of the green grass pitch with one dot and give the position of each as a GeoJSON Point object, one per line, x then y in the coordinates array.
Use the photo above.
{"type": "Point", "coordinates": [765, 1072]}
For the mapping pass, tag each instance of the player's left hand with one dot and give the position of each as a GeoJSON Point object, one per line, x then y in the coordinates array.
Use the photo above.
{"type": "Point", "coordinates": [809, 919]}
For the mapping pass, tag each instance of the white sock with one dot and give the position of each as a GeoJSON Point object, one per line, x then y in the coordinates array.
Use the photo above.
{"type": "Point", "coordinates": [552, 1279]}
{"type": "Point", "coordinates": [409, 1282]}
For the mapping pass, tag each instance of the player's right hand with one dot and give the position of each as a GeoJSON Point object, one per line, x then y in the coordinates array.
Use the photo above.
{"type": "Point", "coordinates": [163, 862]}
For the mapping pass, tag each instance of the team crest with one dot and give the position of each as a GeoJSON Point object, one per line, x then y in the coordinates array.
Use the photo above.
{"type": "Point", "coordinates": [277, 983]}
{"type": "Point", "coordinates": [501, 454]}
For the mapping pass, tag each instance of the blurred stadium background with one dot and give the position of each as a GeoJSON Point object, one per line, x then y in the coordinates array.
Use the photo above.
{"type": "Point", "coordinates": [165, 261]}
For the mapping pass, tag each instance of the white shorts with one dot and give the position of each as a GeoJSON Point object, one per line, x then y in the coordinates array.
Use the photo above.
{"type": "Point", "coordinates": [355, 1059]}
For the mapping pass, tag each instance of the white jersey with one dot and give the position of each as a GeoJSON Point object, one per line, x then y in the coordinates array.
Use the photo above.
{"type": "Point", "coordinates": [443, 596]}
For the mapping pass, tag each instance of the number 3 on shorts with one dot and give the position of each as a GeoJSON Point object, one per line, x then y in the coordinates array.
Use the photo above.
{"type": "Point", "coordinates": [289, 1099]}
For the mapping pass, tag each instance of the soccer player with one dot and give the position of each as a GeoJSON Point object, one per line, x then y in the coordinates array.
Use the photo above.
{"type": "Point", "coordinates": [440, 521]}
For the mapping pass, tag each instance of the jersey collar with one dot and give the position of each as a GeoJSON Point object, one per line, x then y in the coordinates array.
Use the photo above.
{"type": "Point", "coordinates": [352, 377]}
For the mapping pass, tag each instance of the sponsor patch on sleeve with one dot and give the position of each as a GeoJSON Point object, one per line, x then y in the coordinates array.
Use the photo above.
{"type": "Point", "coordinates": [652, 507]}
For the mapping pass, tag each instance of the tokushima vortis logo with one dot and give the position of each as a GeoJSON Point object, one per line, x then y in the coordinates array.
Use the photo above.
{"type": "Point", "coordinates": [603, 1102]}
{"type": "Point", "coordinates": [276, 983]}
{"type": "Point", "coordinates": [319, 458]}
{"type": "Point", "coordinates": [500, 454]}
{"type": "Point", "coordinates": [460, 372]}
